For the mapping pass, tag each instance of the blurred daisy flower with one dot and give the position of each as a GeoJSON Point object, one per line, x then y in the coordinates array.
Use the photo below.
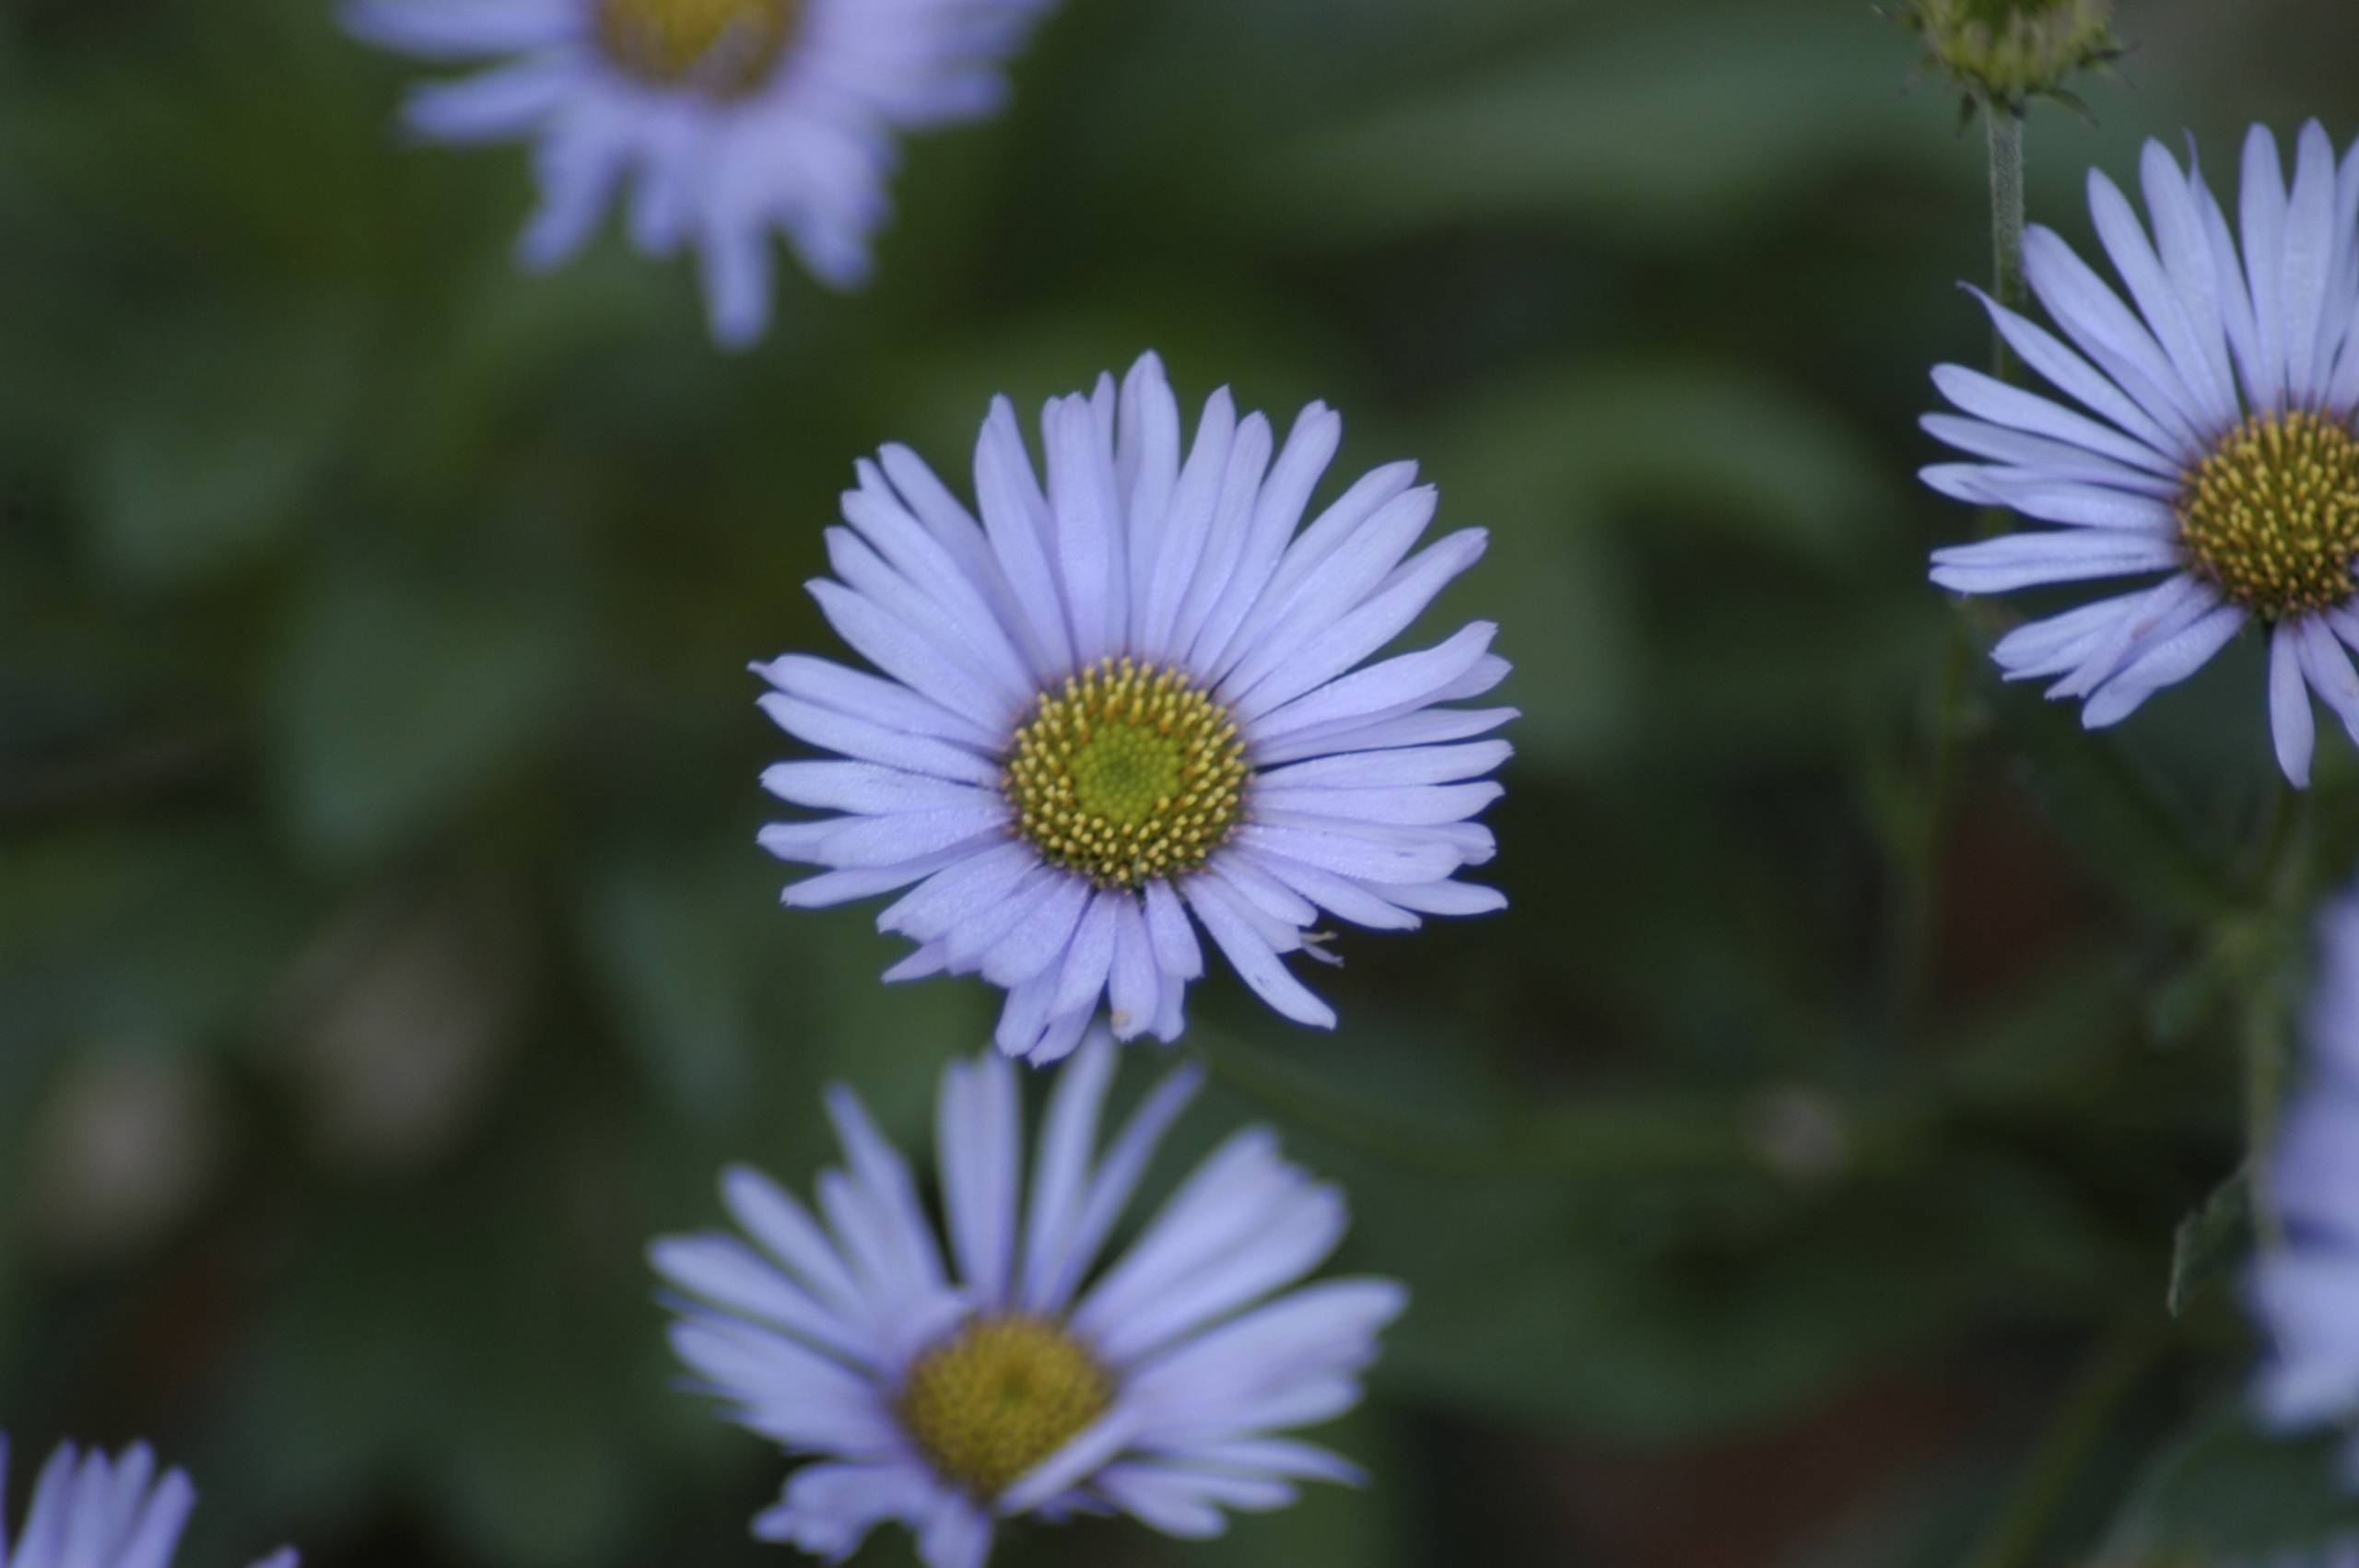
{"type": "Point", "coordinates": [2212, 442]}
{"type": "Point", "coordinates": [1132, 697]}
{"type": "Point", "coordinates": [727, 118]}
{"type": "Point", "coordinates": [2305, 1293]}
{"type": "Point", "coordinates": [953, 1398]}
{"type": "Point", "coordinates": [91, 1512]}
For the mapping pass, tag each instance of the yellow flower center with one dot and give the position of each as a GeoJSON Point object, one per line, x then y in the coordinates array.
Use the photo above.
{"type": "Point", "coordinates": [1003, 1394]}
{"type": "Point", "coordinates": [1126, 774]}
{"type": "Point", "coordinates": [724, 47]}
{"type": "Point", "coordinates": [2273, 514]}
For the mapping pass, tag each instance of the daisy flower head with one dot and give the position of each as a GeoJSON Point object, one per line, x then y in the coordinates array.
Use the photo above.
{"type": "Point", "coordinates": [2212, 441]}
{"type": "Point", "coordinates": [726, 119]}
{"type": "Point", "coordinates": [1017, 1378]}
{"type": "Point", "coordinates": [89, 1511]}
{"type": "Point", "coordinates": [2305, 1293]}
{"type": "Point", "coordinates": [1132, 702]}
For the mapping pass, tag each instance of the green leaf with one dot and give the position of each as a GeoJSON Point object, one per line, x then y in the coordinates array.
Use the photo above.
{"type": "Point", "coordinates": [2225, 1491]}
{"type": "Point", "coordinates": [513, 1401]}
{"type": "Point", "coordinates": [676, 961]}
{"type": "Point", "coordinates": [168, 937]}
{"type": "Point", "coordinates": [2211, 1241]}
{"type": "Point", "coordinates": [1677, 129]}
{"type": "Point", "coordinates": [1552, 465]}
{"type": "Point", "coordinates": [215, 448]}
{"type": "Point", "coordinates": [1727, 1296]}
{"type": "Point", "coordinates": [397, 703]}
{"type": "Point", "coordinates": [1724, 450]}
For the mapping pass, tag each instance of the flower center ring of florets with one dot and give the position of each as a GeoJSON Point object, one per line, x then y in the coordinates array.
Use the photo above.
{"type": "Point", "coordinates": [2271, 515]}
{"type": "Point", "coordinates": [1126, 773]}
{"type": "Point", "coordinates": [726, 47]}
{"type": "Point", "coordinates": [1003, 1394]}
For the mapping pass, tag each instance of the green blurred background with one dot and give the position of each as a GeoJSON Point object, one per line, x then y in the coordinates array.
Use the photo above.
{"type": "Point", "coordinates": [1789, 1180]}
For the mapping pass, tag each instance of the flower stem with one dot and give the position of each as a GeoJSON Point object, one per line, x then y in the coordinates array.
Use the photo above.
{"type": "Point", "coordinates": [2106, 1377]}
{"type": "Point", "coordinates": [2264, 1051]}
{"type": "Point", "coordinates": [2267, 1020]}
{"type": "Point", "coordinates": [2006, 129]}
{"type": "Point", "coordinates": [1920, 902]}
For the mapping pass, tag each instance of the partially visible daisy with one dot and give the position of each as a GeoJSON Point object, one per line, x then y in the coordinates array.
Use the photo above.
{"type": "Point", "coordinates": [2307, 1292]}
{"type": "Point", "coordinates": [726, 119]}
{"type": "Point", "coordinates": [1019, 1379]}
{"type": "Point", "coordinates": [2214, 442]}
{"type": "Point", "coordinates": [1131, 698]}
{"type": "Point", "coordinates": [92, 1511]}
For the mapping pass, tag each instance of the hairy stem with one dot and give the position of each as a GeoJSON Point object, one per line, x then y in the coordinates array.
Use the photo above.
{"type": "Point", "coordinates": [1920, 902]}
{"type": "Point", "coordinates": [2006, 131]}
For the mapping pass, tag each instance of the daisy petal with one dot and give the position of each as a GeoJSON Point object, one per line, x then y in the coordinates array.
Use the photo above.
{"type": "Point", "coordinates": [2024, 560]}
{"type": "Point", "coordinates": [2291, 722]}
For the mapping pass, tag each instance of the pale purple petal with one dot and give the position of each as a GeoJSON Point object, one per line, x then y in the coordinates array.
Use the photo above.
{"type": "Point", "coordinates": [1407, 679]}
{"type": "Point", "coordinates": [2327, 668]}
{"type": "Point", "coordinates": [1060, 1173]}
{"type": "Point", "coordinates": [2160, 304]}
{"type": "Point", "coordinates": [1374, 622]}
{"type": "Point", "coordinates": [2262, 220]}
{"type": "Point", "coordinates": [1038, 939]}
{"type": "Point", "coordinates": [1133, 986]}
{"type": "Point", "coordinates": [1188, 525]}
{"type": "Point", "coordinates": [2025, 560]}
{"type": "Point", "coordinates": [2291, 723]}
{"type": "Point", "coordinates": [1310, 446]}
{"type": "Point", "coordinates": [1088, 520]}
{"type": "Point", "coordinates": [1254, 958]}
{"type": "Point", "coordinates": [2112, 336]}
{"type": "Point", "coordinates": [495, 105]}
{"type": "Point", "coordinates": [1421, 727]}
{"type": "Point", "coordinates": [435, 30]}
{"type": "Point", "coordinates": [2011, 408]}
{"type": "Point", "coordinates": [1224, 536]}
{"type": "Point", "coordinates": [2049, 457]}
{"type": "Point", "coordinates": [2164, 665]}
{"type": "Point", "coordinates": [977, 1128]}
{"type": "Point", "coordinates": [2309, 259]}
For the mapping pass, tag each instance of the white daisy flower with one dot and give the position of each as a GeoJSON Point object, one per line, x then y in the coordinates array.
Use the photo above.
{"type": "Point", "coordinates": [2307, 1293]}
{"type": "Point", "coordinates": [727, 118]}
{"type": "Point", "coordinates": [1132, 697]}
{"type": "Point", "coordinates": [92, 1511]}
{"type": "Point", "coordinates": [1015, 1381]}
{"type": "Point", "coordinates": [2214, 442]}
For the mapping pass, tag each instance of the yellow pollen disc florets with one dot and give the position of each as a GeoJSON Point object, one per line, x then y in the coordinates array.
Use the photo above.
{"type": "Point", "coordinates": [998, 1397]}
{"type": "Point", "coordinates": [2273, 514]}
{"type": "Point", "coordinates": [726, 47]}
{"type": "Point", "coordinates": [1126, 773]}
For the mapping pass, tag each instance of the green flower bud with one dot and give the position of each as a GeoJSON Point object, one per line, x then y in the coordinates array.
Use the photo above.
{"type": "Point", "coordinates": [2006, 52]}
